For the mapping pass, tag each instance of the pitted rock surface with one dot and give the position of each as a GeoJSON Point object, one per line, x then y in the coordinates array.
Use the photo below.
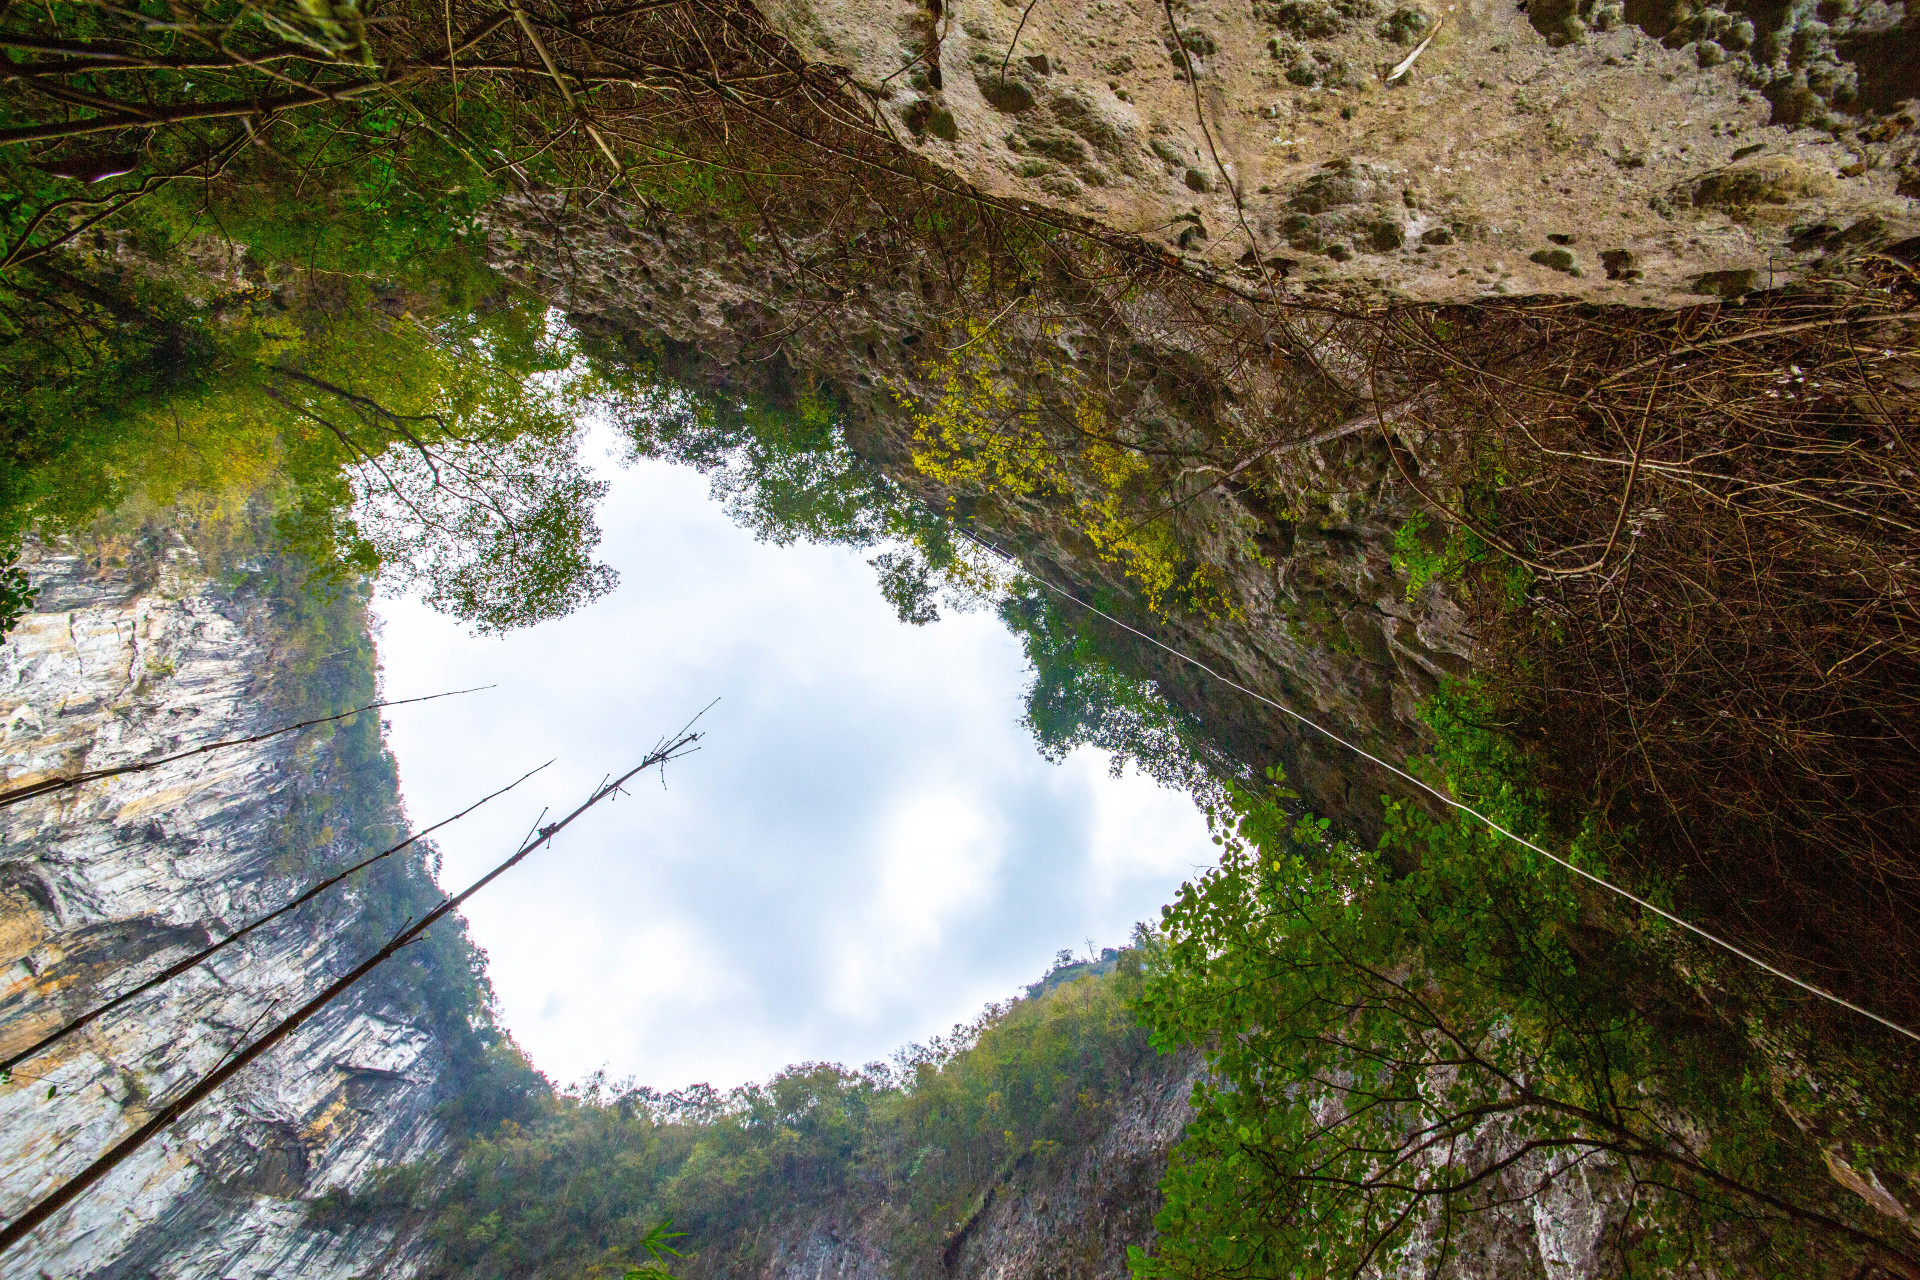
{"type": "Point", "coordinates": [1625, 153]}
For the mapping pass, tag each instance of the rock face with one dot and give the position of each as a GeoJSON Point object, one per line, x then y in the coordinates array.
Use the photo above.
{"type": "Point", "coordinates": [1074, 1215]}
{"type": "Point", "coordinates": [1066, 1217]}
{"type": "Point", "coordinates": [1085, 1215]}
{"type": "Point", "coordinates": [1325, 626]}
{"type": "Point", "coordinates": [108, 883]}
{"type": "Point", "coordinates": [1639, 153]}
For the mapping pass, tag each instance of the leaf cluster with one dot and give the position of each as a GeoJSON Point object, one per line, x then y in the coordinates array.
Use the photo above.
{"type": "Point", "coordinates": [1413, 1049]}
{"type": "Point", "coordinates": [778, 460]}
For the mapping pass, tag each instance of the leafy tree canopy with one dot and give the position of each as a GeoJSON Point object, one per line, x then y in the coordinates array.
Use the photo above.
{"type": "Point", "coordinates": [570, 1189]}
{"type": "Point", "coordinates": [436, 445]}
{"type": "Point", "coordinates": [778, 460]}
{"type": "Point", "coordinates": [1403, 1064]}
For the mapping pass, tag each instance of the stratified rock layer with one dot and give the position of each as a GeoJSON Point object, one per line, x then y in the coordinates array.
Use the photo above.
{"type": "Point", "coordinates": [107, 884]}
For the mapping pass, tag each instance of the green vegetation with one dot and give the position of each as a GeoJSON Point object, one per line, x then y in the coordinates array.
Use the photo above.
{"type": "Point", "coordinates": [984, 434]}
{"type": "Point", "coordinates": [17, 592]}
{"type": "Point", "coordinates": [1081, 697]}
{"type": "Point", "coordinates": [573, 1184]}
{"type": "Point", "coordinates": [1696, 594]}
{"type": "Point", "coordinates": [779, 462]}
{"type": "Point", "coordinates": [1409, 1048]}
{"type": "Point", "coordinates": [437, 446]}
{"type": "Point", "coordinates": [777, 457]}
{"type": "Point", "coordinates": [1419, 562]}
{"type": "Point", "coordinates": [294, 301]}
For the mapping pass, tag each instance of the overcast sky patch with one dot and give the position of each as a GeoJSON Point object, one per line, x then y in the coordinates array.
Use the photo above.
{"type": "Point", "coordinates": [866, 849]}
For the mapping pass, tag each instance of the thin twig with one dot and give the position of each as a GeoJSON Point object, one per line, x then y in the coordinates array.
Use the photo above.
{"type": "Point", "coordinates": [63, 1195]}
{"type": "Point", "coordinates": [207, 953]}
{"type": "Point", "coordinates": [64, 782]}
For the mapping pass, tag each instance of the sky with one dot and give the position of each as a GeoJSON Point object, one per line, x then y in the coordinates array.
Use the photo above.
{"type": "Point", "coordinates": [865, 850]}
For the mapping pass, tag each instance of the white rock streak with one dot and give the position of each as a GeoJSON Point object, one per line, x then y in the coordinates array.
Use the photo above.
{"type": "Point", "coordinates": [103, 885]}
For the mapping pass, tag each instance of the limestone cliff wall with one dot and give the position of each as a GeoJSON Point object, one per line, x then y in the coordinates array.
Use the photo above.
{"type": "Point", "coordinates": [1624, 152]}
{"type": "Point", "coordinates": [108, 883]}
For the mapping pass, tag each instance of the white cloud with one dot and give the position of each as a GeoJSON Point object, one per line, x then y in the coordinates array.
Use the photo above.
{"type": "Point", "coordinates": [866, 848]}
{"type": "Point", "coordinates": [1135, 834]}
{"type": "Point", "coordinates": [936, 859]}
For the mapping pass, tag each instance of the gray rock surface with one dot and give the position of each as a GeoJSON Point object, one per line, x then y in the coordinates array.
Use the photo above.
{"type": "Point", "coordinates": [106, 884]}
